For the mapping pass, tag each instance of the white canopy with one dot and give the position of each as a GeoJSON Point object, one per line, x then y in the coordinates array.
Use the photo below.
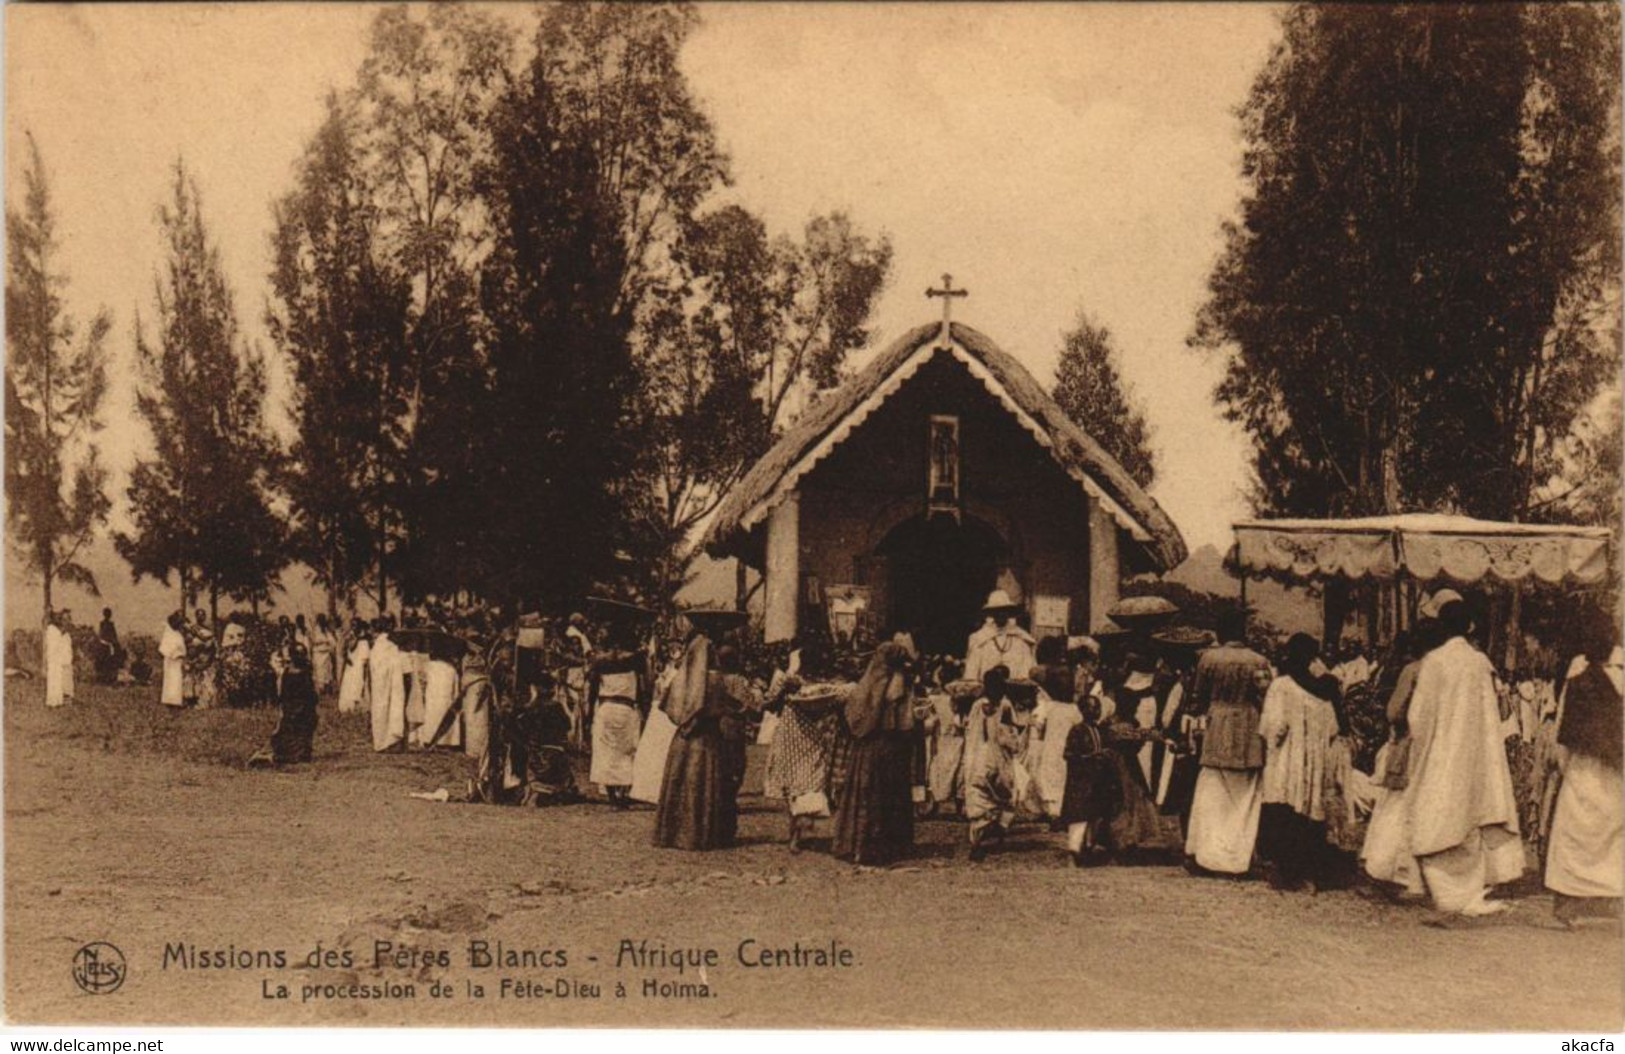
{"type": "Point", "coordinates": [1425, 546]}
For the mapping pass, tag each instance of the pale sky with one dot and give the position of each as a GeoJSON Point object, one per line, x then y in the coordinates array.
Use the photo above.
{"type": "Point", "coordinates": [1051, 157]}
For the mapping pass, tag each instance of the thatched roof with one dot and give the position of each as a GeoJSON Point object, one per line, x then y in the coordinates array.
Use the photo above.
{"type": "Point", "coordinates": [828, 422]}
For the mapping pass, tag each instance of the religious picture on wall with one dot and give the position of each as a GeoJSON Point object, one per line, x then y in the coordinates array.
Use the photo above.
{"type": "Point", "coordinates": [847, 608]}
{"type": "Point", "coordinates": [942, 487]}
{"type": "Point", "coordinates": [1051, 616]}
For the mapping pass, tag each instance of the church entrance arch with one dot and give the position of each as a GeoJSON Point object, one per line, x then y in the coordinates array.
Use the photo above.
{"type": "Point", "coordinates": [938, 574]}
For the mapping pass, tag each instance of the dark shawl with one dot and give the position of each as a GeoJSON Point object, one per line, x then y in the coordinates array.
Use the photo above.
{"type": "Point", "coordinates": [684, 698]}
{"type": "Point", "coordinates": [1057, 680]}
{"type": "Point", "coordinates": [880, 700]}
{"type": "Point", "coordinates": [1592, 722]}
{"type": "Point", "coordinates": [444, 647]}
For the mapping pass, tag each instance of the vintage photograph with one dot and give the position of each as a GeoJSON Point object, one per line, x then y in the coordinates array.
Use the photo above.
{"type": "Point", "coordinates": [1088, 516]}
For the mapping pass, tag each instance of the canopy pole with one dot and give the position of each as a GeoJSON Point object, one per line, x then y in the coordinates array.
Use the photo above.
{"type": "Point", "coordinates": [1241, 573]}
{"type": "Point", "coordinates": [1514, 629]}
{"type": "Point", "coordinates": [1403, 615]}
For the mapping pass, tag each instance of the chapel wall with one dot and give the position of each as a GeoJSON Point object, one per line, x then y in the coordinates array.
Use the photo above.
{"type": "Point", "coordinates": [877, 479]}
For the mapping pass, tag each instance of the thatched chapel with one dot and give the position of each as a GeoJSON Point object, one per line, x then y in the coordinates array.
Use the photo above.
{"type": "Point", "coordinates": [937, 474]}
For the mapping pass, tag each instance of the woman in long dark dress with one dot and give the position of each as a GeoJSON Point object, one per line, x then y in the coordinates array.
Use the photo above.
{"type": "Point", "coordinates": [291, 743]}
{"type": "Point", "coordinates": [1125, 823]}
{"type": "Point", "coordinates": [699, 808]}
{"type": "Point", "coordinates": [874, 819]}
{"type": "Point", "coordinates": [1093, 792]}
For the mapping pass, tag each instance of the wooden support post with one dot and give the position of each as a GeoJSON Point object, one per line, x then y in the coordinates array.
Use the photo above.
{"type": "Point", "coordinates": [1514, 629]}
{"type": "Point", "coordinates": [1103, 567]}
{"type": "Point", "coordinates": [782, 588]}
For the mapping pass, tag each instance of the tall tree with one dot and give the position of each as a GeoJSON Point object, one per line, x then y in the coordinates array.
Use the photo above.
{"type": "Point", "coordinates": [1408, 306]}
{"type": "Point", "coordinates": [55, 484]}
{"type": "Point", "coordinates": [599, 159]}
{"type": "Point", "coordinates": [730, 331]}
{"type": "Point", "coordinates": [339, 314]}
{"type": "Point", "coordinates": [199, 504]}
{"type": "Point", "coordinates": [1090, 390]}
{"type": "Point", "coordinates": [1587, 484]}
{"type": "Point", "coordinates": [615, 88]}
{"type": "Point", "coordinates": [556, 444]}
{"type": "Point", "coordinates": [424, 95]}
{"type": "Point", "coordinates": [1541, 332]}
{"type": "Point", "coordinates": [759, 327]}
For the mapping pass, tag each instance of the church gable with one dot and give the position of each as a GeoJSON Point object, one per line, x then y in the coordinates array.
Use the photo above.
{"type": "Point", "coordinates": [940, 437]}
{"type": "Point", "coordinates": [970, 357]}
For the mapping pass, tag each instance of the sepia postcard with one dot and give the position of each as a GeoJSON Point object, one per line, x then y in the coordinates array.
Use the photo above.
{"type": "Point", "coordinates": [1089, 516]}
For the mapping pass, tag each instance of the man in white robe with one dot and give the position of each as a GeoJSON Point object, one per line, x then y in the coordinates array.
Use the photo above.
{"type": "Point", "coordinates": [323, 648]}
{"type": "Point", "coordinates": [1460, 804]}
{"type": "Point", "coordinates": [441, 667]}
{"type": "Point", "coordinates": [576, 634]}
{"type": "Point", "coordinates": [1298, 724]}
{"type": "Point", "coordinates": [353, 686]}
{"type": "Point", "coordinates": [58, 656]}
{"type": "Point", "coordinates": [388, 692]}
{"type": "Point", "coordinates": [172, 646]}
{"type": "Point", "coordinates": [574, 684]}
{"type": "Point", "coordinates": [1000, 641]}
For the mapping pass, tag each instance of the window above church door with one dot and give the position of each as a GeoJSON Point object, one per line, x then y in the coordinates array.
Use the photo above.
{"type": "Point", "coordinates": [942, 469]}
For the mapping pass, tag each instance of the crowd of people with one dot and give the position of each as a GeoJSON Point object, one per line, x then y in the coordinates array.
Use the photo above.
{"type": "Point", "coordinates": [238, 661]}
{"type": "Point", "coordinates": [1142, 745]}
{"type": "Point", "coordinates": [1421, 772]}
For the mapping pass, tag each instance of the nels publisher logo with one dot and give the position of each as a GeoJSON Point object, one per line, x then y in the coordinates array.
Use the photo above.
{"type": "Point", "coordinates": [98, 968]}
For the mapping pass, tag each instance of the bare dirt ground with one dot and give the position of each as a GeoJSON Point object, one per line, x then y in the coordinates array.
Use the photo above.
{"type": "Point", "coordinates": [129, 824]}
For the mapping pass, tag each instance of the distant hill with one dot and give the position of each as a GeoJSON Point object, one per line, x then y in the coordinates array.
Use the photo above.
{"type": "Point", "coordinates": [137, 608]}
{"type": "Point", "coordinates": [1203, 570]}
{"type": "Point", "coordinates": [1291, 609]}
{"type": "Point", "coordinates": [711, 586]}
{"type": "Point", "coordinates": [141, 608]}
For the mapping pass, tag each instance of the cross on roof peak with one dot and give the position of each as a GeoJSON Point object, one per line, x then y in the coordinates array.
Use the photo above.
{"type": "Point", "coordinates": [948, 294]}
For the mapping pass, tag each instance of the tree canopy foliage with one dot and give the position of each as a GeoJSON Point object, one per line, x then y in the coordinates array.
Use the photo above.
{"type": "Point", "coordinates": [55, 381]}
{"type": "Point", "coordinates": [1417, 303]}
{"type": "Point", "coordinates": [594, 346]}
{"type": "Point", "coordinates": [199, 503]}
{"type": "Point", "coordinates": [1090, 390]}
{"type": "Point", "coordinates": [339, 315]}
